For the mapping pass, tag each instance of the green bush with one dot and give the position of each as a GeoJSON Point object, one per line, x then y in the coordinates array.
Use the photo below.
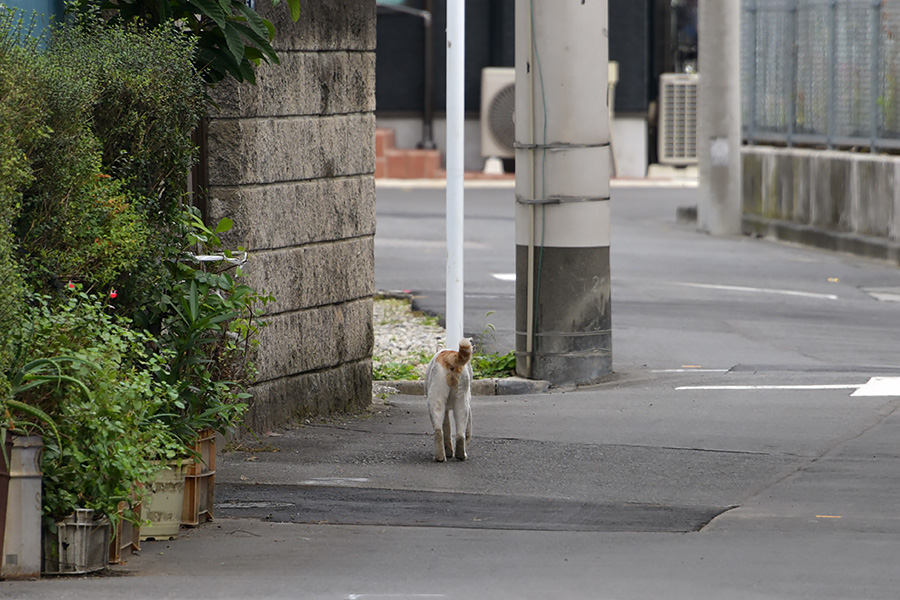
{"type": "Point", "coordinates": [121, 105]}
{"type": "Point", "coordinates": [208, 319]}
{"type": "Point", "coordinates": [108, 407]}
{"type": "Point", "coordinates": [21, 125]}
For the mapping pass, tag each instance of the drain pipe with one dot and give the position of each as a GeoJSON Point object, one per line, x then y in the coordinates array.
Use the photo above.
{"type": "Point", "coordinates": [427, 142]}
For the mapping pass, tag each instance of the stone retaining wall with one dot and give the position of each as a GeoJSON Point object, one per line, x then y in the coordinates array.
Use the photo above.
{"type": "Point", "coordinates": [291, 160]}
{"type": "Point", "coordinates": [845, 201]}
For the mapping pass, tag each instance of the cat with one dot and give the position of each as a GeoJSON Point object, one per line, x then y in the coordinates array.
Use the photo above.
{"type": "Point", "coordinates": [448, 387]}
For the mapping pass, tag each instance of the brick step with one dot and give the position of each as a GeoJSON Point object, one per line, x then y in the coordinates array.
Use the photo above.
{"type": "Point", "coordinates": [408, 164]}
{"type": "Point", "coordinates": [384, 141]}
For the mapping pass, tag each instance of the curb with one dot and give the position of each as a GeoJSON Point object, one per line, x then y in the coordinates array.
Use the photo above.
{"type": "Point", "coordinates": [506, 386]}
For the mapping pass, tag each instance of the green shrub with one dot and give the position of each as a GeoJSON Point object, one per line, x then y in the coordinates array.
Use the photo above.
{"type": "Point", "coordinates": [208, 320]}
{"type": "Point", "coordinates": [121, 105]}
{"type": "Point", "coordinates": [21, 125]}
{"type": "Point", "coordinates": [108, 408]}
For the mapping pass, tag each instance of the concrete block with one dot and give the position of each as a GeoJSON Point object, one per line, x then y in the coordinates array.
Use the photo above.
{"type": "Point", "coordinates": [317, 338]}
{"type": "Point", "coordinates": [799, 205]}
{"type": "Point", "coordinates": [345, 388]}
{"type": "Point", "coordinates": [289, 149]}
{"type": "Point", "coordinates": [314, 275]}
{"type": "Point", "coordinates": [830, 177]}
{"type": "Point", "coordinates": [752, 180]}
{"type": "Point", "coordinates": [323, 25]}
{"type": "Point", "coordinates": [874, 191]}
{"type": "Point", "coordinates": [305, 83]}
{"type": "Point", "coordinates": [296, 213]}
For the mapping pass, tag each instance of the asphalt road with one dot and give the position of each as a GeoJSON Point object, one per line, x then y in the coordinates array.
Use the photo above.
{"type": "Point", "coordinates": [746, 448]}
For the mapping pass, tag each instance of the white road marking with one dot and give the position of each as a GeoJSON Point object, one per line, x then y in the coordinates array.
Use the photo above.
{"type": "Point", "coordinates": [504, 276]}
{"type": "Point", "coordinates": [424, 244]}
{"type": "Point", "coordinates": [338, 481]}
{"type": "Point", "coordinates": [838, 386]}
{"type": "Point", "coordinates": [891, 294]}
{"type": "Point", "coordinates": [363, 596]}
{"type": "Point", "coordinates": [690, 370]}
{"type": "Point", "coordinates": [753, 290]}
{"type": "Point", "coordinates": [880, 386]}
{"type": "Point", "coordinates": [876, 386]}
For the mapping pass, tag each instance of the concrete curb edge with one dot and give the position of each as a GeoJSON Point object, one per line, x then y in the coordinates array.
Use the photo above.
{"type": "Point", "coordinates": [506, 386]}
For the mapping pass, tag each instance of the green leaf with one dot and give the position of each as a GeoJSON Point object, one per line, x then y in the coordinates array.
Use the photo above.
{"type": "Point", "coordinates": [194, 301]}
{"type": "Point", "coordinates": [256, 22]}
{"type": "Point", "coordinates": [211, 9]}
{"type": "Point", "coordinates": [261, 42]}
{"type": "Point", "coordinates": [234, 40]}
{"type": "Point", "coordinates": [224, 225]}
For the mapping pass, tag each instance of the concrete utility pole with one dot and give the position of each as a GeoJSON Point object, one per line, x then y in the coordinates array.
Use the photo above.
{"type": "Point", "coordinates": [563, 317]}
{"type": "Point", "coordinates": [719, 40]}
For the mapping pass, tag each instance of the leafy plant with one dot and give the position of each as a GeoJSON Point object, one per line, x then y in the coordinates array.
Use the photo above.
{"type": "Point", "coordinates": [231, 37]}
{"type": "Point", "coordinates": [395, 371]}
{"type": "Point", "coordinates": [208, 321]}
{"type": "Point", "coordinates": [105, 403]}
{"type": "Point", "coordinates": [108, 116]}
{"type": "Point", "coordinates": [486, 366]}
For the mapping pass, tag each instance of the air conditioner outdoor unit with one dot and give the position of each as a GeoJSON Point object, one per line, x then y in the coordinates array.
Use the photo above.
{"type": "Point", "coordinates": [498, 105]}
{"type": "Point", "coordinates": [678, 102]}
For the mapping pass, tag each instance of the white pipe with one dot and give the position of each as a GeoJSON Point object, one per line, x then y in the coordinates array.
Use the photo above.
{"type": "Point", "coordinates": [456, 53]}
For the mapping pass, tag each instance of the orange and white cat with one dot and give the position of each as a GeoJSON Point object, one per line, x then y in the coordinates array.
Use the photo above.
{"type": "Point", "coordinates": [448, 388]}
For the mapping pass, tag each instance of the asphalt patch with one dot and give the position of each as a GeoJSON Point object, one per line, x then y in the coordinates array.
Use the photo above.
{"type": "Point", "coordinates": [411, 508]}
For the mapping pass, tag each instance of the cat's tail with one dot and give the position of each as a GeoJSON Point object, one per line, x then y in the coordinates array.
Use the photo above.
{"type": "Point", "coordinates": [465, 353]}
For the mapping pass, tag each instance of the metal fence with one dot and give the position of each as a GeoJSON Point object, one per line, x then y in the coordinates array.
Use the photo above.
{"type": "Point", "coordinates": [821, 72]}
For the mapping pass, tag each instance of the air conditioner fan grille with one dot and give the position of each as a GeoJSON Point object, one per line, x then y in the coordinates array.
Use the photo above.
{"type": "Point", "coordinates": [501, 117]}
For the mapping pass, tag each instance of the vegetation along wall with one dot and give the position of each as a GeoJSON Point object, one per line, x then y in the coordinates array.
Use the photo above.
{"type": "Point", "coordinates": [291, 161]}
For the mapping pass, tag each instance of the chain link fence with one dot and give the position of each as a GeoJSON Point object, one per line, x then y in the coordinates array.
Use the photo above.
{"type": "Point", "coordinates": [821, 72]}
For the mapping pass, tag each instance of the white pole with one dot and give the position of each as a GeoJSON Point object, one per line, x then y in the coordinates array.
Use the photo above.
{"type": "Point", "coordinates": [456, 54]}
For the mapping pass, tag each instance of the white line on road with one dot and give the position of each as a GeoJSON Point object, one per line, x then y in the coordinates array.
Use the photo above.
{"type": "Point", "coordinates": [839, 386]}
{"type": "Point", "coordinates": [753, 290]}
{"type": "Point", "coordinates": [336, 481]}
{"type": "Point", "coordinates": [880, 386]}
{"type": "Point", "coordinates": [876, 386]}
{"type": "Point", "coordinates": [690, 370]}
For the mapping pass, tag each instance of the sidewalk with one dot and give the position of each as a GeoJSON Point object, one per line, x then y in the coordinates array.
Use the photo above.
{"type": "Point", "coordinates": [728, 458]}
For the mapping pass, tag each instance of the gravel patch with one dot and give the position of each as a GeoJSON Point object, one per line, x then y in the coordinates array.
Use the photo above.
{"type": "Point", "coordinates": [404, 336]}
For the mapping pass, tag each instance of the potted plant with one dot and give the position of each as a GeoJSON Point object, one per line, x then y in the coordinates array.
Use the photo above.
{"type": "Point", "coordinates": [107, 406]}
{"type": "Point", "coordinates": [208, 321]}
{"type": "Point", "coordinates": [21, 440]}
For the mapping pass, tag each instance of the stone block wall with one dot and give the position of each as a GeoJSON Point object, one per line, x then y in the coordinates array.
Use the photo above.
{"type": "Point", "coordinates": [848, 201]}
{"type": "Point", "coordinates": [291, 161]}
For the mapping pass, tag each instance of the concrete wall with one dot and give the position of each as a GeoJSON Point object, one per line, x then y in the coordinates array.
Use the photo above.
{"type": "Point", "coordinates": [844, 201]}
{"type": "Point", "coordinates": [291, 160]}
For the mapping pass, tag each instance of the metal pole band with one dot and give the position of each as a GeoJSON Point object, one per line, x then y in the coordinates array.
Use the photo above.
{"type": "Point", "coordinates": [558, 146]}
{"type": "Point", "coordinates": [560, 199]}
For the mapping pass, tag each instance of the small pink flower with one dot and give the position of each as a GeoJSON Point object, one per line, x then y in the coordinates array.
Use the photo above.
{"type": "Point", "coordinates": [113, 294]}
{"type": "Point", "coordinates": [71, 286]}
